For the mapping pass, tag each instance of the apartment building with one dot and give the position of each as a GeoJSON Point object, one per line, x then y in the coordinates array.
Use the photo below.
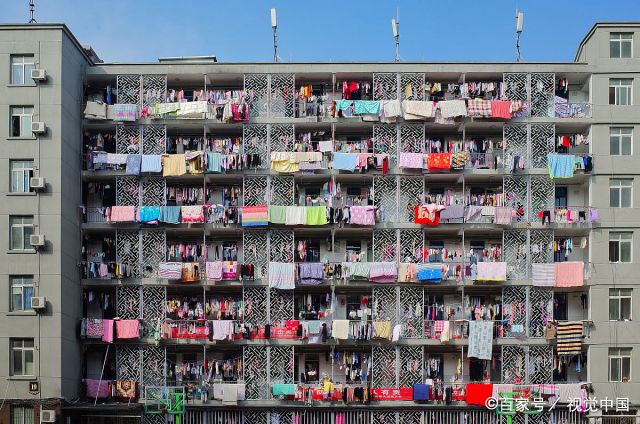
{"type": "Point", "coordinates": [199, 241]}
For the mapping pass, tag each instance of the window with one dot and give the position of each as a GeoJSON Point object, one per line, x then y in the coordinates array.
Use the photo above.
{"type": "Point", "coordinates": [21, 230]}
{"type": "Point", "coordinates": [21, 356]}
{"type": "Point", "coordinates": [620, 191]}
{"type": "Point", "coordinates": [620, 44]}
{"type": "Point", "coordinates": [619, 364]}
{"type": "Point", "coordinates": [620, 304]}
{"type": "Point", "coordinates": [561, 197]}
{"type": "Point", "coordinates": [620, 140]}
{"type": "Point", "coordinates": [560, 307]}
{"type": "Point", "coordinates": [620, 247]}
{"type": "Point", "coordinates": [21, 171]}
{"type": "Point", "coordinates": [21, 121]}
{"type": "Point", "coordinates": [21, 66]}
{"type": "Point", "coordinates": [21, 415]}
{"type": "Point", "coordinates": [21, 292]}
{"type": "Point", "coordinates": [620, 91]}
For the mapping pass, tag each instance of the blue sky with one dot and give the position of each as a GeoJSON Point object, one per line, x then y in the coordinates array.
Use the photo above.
{"type": "Point", "coordinates": [345, 30]}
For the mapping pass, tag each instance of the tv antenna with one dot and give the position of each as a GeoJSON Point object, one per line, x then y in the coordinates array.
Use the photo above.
{"type": "Point", "coordinates": [519, 23]}
{"type": "Point", "coordinates": [32, 11]}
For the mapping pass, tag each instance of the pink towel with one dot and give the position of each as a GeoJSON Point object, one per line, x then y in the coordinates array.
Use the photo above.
{"type": "Point", "coordinates": [214, 271]}
{"type": "Point", "coordinates": [569, 274]}
{"type": "Point", "coordinates": [362, 215]}
{"type": "Point", "coordinates": [128, 329]}
{"type": "Point", "coordinates": [98, 388]}
{"type": "Point", "coordinates": [411, 160]}
{"type": "Point", "coordinates": [492, 271]}
{"type": "Point", "coordinates": [107, 330]}
{"type": "Point", "coordinates": [192, 213]}
{"type": "Point", "coordinates": [122, 214]}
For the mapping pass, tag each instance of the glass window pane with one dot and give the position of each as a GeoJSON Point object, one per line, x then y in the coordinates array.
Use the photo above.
{"type": "Point", "coordinates": [625, 252]}
{"type": "Point", "coordinates": [613, 251]}
{"type": "Point", "coordinates": [26, 126]}
{"type": "Point", "coordinates": [626, 145]}
{"type": "Point", "coordinates": [614, 145]}
{"type": "Point", "coordinates": [16, 238]}
{"type": "Point", "coordinates": [625, 197]}
{"type": "Point", "coordinates": [28, 230]}
{"type": "Point", "coordinates": [614, 369]}
{"type": "Point", "coordinates": [625, 308]}
{"type": "Point", "coordinates": [17, 362]}
{"type": "Point", "coordinates": [17, 300]}
{"type": "Point", "coordinates": [614, 47]}
{"type": "Point", "coordinates": [625, 49]}
{"type": "Point", "coordinates": [28, 362]}
{"type": "Point", "coordinates": [614, 310]}
{"type": "Point", "coordinates": [15, 126]}
{"type": "Point", "coordinates": [614, 197]}
{"type": "Point", "coordinates": [27, 342]}
{"type": "Point", "coordinates": [612, 95]}
{"type": "Point", "coordinates": [27, 294]}
{"type": "Point", "coordinates": [17, 75]}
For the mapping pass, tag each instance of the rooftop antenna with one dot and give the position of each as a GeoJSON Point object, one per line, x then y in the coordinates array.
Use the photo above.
{"type": "Point", "coordinates": [519, 23]}
{"type": "Point", "coordinates": [395, 23]}
{"type": "Point", "coordinates": [32, 10]}
{"type": "Point", "coordinates": [274, 26]}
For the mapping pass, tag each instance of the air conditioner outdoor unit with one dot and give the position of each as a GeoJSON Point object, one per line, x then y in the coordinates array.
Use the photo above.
{"type": "Point", "coordinates": [38, 127]}
{"type": "Point", "coordinates": [38, 74]}
{"type": "Point", "coordinates": [37, 240]}
{"type": "Point", "coordinates": [47, 416]}
{"type": "Point", "coordinates": [37, 182]}
{"type": "Point", "coordinates": [38, 302]}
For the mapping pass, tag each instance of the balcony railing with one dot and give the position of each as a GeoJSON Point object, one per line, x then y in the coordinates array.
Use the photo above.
{"type": "Point", "coordinates": [573, 110]}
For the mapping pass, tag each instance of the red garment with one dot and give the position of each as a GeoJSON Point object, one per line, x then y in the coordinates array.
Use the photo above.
{"type": "Point", "coordinates": [438, 161]}
{"type": "Point", "coordinates": [566, 142]}
{"type": "Point", "coordinates": [501, 109]}
{"type": "Point", "coordinates": [385, 165]}
{"type": "Point", "coordinates": [422, 216]}
{"type": "Point", "coordinates": [477, 394]}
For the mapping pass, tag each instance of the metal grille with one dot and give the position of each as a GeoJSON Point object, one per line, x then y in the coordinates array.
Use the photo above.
{"type": "Point", "coordinates": [540, 310]}
{"type": "Point", "coordinates": [280, 304]}
{"type": "Point", "coordinates": [411, 360]}
{"type": "Point", "coordinates": [256, 379]}
{"type": "Point", "coordinates": [385, 304]}
{"type": "Point", "coordinates": [255, 139]}
{"type": "Point", "coordinates": [128, 250]}
{"type": "Point", "coordinates": [412, 138]}
{"type": "Point", "coordinates": [515, 139]}
{"type": "Point", "coordinates": [385, 246]}
{"type": "Point", "coordinates": [384, 366]}
{"type": "Point", "coordinates": [385, 140]}
{"type": "Point", "coordinates": [153, 251]}
{"type": "Point", "coordinates": [153, 419]}
{"type": "Point", "coordinates": [255, 190]}
{"type": "Point", "coordinates": [127, 191]}
{"type": "Point", "coordinates": [412, 86]}
{"type": "Point", "coordinates": [514, 299]}
{"type": "Point", "coordinates": [128, 89]}
{"type": "Point", "coordinates": [282, 95]}
{"type": "Point", "coordinates": [385, 86]}
{"type": "Point", "coordinates": [154, 139]}
{"type": "Point", "coordinates": [383, 417]}
{"type": "Point", "coordinates": [153, 306]}
{"type": "Point", "coordinates": [515, 254]}
{"type": "Point", "coordinates": [515, 190]}
{"type": "Point", "coordinates": [281, 190]}
{"type": "Point", "coordinates": [541, 246]}
{"type": "Point", "coordinates": [253, 244]}
{"type": "Point", "coordinates": [153, 191]}
{"type": "Point", "coordinates": [212, 416]}
{"type": "Point", "coordinates": [541, 365]}
{"type": "Point", "coordinates": [542, 143]}
{"type": "Point", "coordinates": [542, 195]}
{"type": "Point", "coordinates": [542, 94]}
{"type": "Point", "coordinates": [281, 364]}
{"type": "Point", "coordinates": [281, 137]}
{"type": "Point", "coordinates": [254, 417]}
{"type": "Point", "coordinates": [516, 86]}
{"type": "Point", "coordinates": [154, 89]}
{"type": "Point", "coordinates": [256, 86]}
{"type": "Point", "coordinates": [410, 243]}
{"type": "Point", "coordinates": [409, 417]}
{"type": "Point", "coordinates": [128, 139]}
{"type": "Point", "coordinates": [513, 365]}
{"type": "Point", "coordinates": [255, 305]}
{"type": "Point", "coordinates": [385, 197]}
{"type": "Point", "coordinates": [412, 311]}
{"type": "Point", "coordinates": [281, 246]}
{"type": "Point", "coordinates": [153, 365]}
{"type": "Point", "coordinates": [128, 362]}
{"type": "Point", "coordinates": [128, 302]}
{"type": "Point", "coordinates": [411, 194]}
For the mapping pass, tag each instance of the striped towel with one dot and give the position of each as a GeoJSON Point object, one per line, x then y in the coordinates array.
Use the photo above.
{"type": "Point", "coordinates": [543, 275]}
{"type": "Point", "coordinates": [255, 216]}
{"type": "Point", "coordinates": [569, 338]}
{"type": "Point", "coordinates": [170, 270]}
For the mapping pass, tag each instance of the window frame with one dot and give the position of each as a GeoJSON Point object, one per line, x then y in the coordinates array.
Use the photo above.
{"type": "Point", "coordinates": [619, 134]}
{"type": "Point", "coordinates": [616, 85]}
{"type": "Point", "coordinates": [26, 245]}
{"type": "Point", "coordinates": [621, 185]}
{"type": "Point", "coordinates": [24, 350]}
{"type": "Point", "coordinates": [27, 414]}
{"type": "Point", "coordinates": [26, 76]}
{"type": "Point", "coordinates": [617, 237]}
{"type": "Point", "coordinates": [620, 38]}
{"type": "Point", "coordinates": [20, 112]}
{"type": "Point", "coordinates": [21, 282]}
{"type": "Point", "coordinates": [618, 295]}
{"type": "Point", "coordinates": [619, 354]}
{"type": "Point", "coordinates": [21, 174]}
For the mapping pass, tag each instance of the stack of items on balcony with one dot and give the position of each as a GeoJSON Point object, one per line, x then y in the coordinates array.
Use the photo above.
{"type": "Point", "coordinates": [290, 162]}
{"type": "Point", "coordinates": [360, 161]}
{"type": "Point", "coordinates": [558, 274]}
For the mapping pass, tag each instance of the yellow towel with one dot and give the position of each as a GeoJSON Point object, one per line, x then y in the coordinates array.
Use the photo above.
{"type": "Point", "coordinates": [173, 165]}
{"type": "Point", "coordinates": [382, 329]}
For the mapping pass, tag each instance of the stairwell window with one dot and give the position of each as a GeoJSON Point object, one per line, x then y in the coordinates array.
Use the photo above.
{"type": "Point", "coordinates": [620, 192]}
{"type": "Point", "coordinates": [620, 45]}
{"type": "Point", "coordinates": [22, 351]}
{"type": "Point", "coordinates": [620, 246]}
{"type": "Point", "coordinates": [620, 91]}
{"type": "Point", "coordinates": [621, 141]}
{"type": "Point", "coordinates": [21, 117]}
{"type": "Point", "coordinates": [21, 66]}
{"type": "Point", "coordinates": [620, 364]}
{"type": "Point", "coordinates": [21, 415]}
{"type": "Point", "coordinates": [620, 304]}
